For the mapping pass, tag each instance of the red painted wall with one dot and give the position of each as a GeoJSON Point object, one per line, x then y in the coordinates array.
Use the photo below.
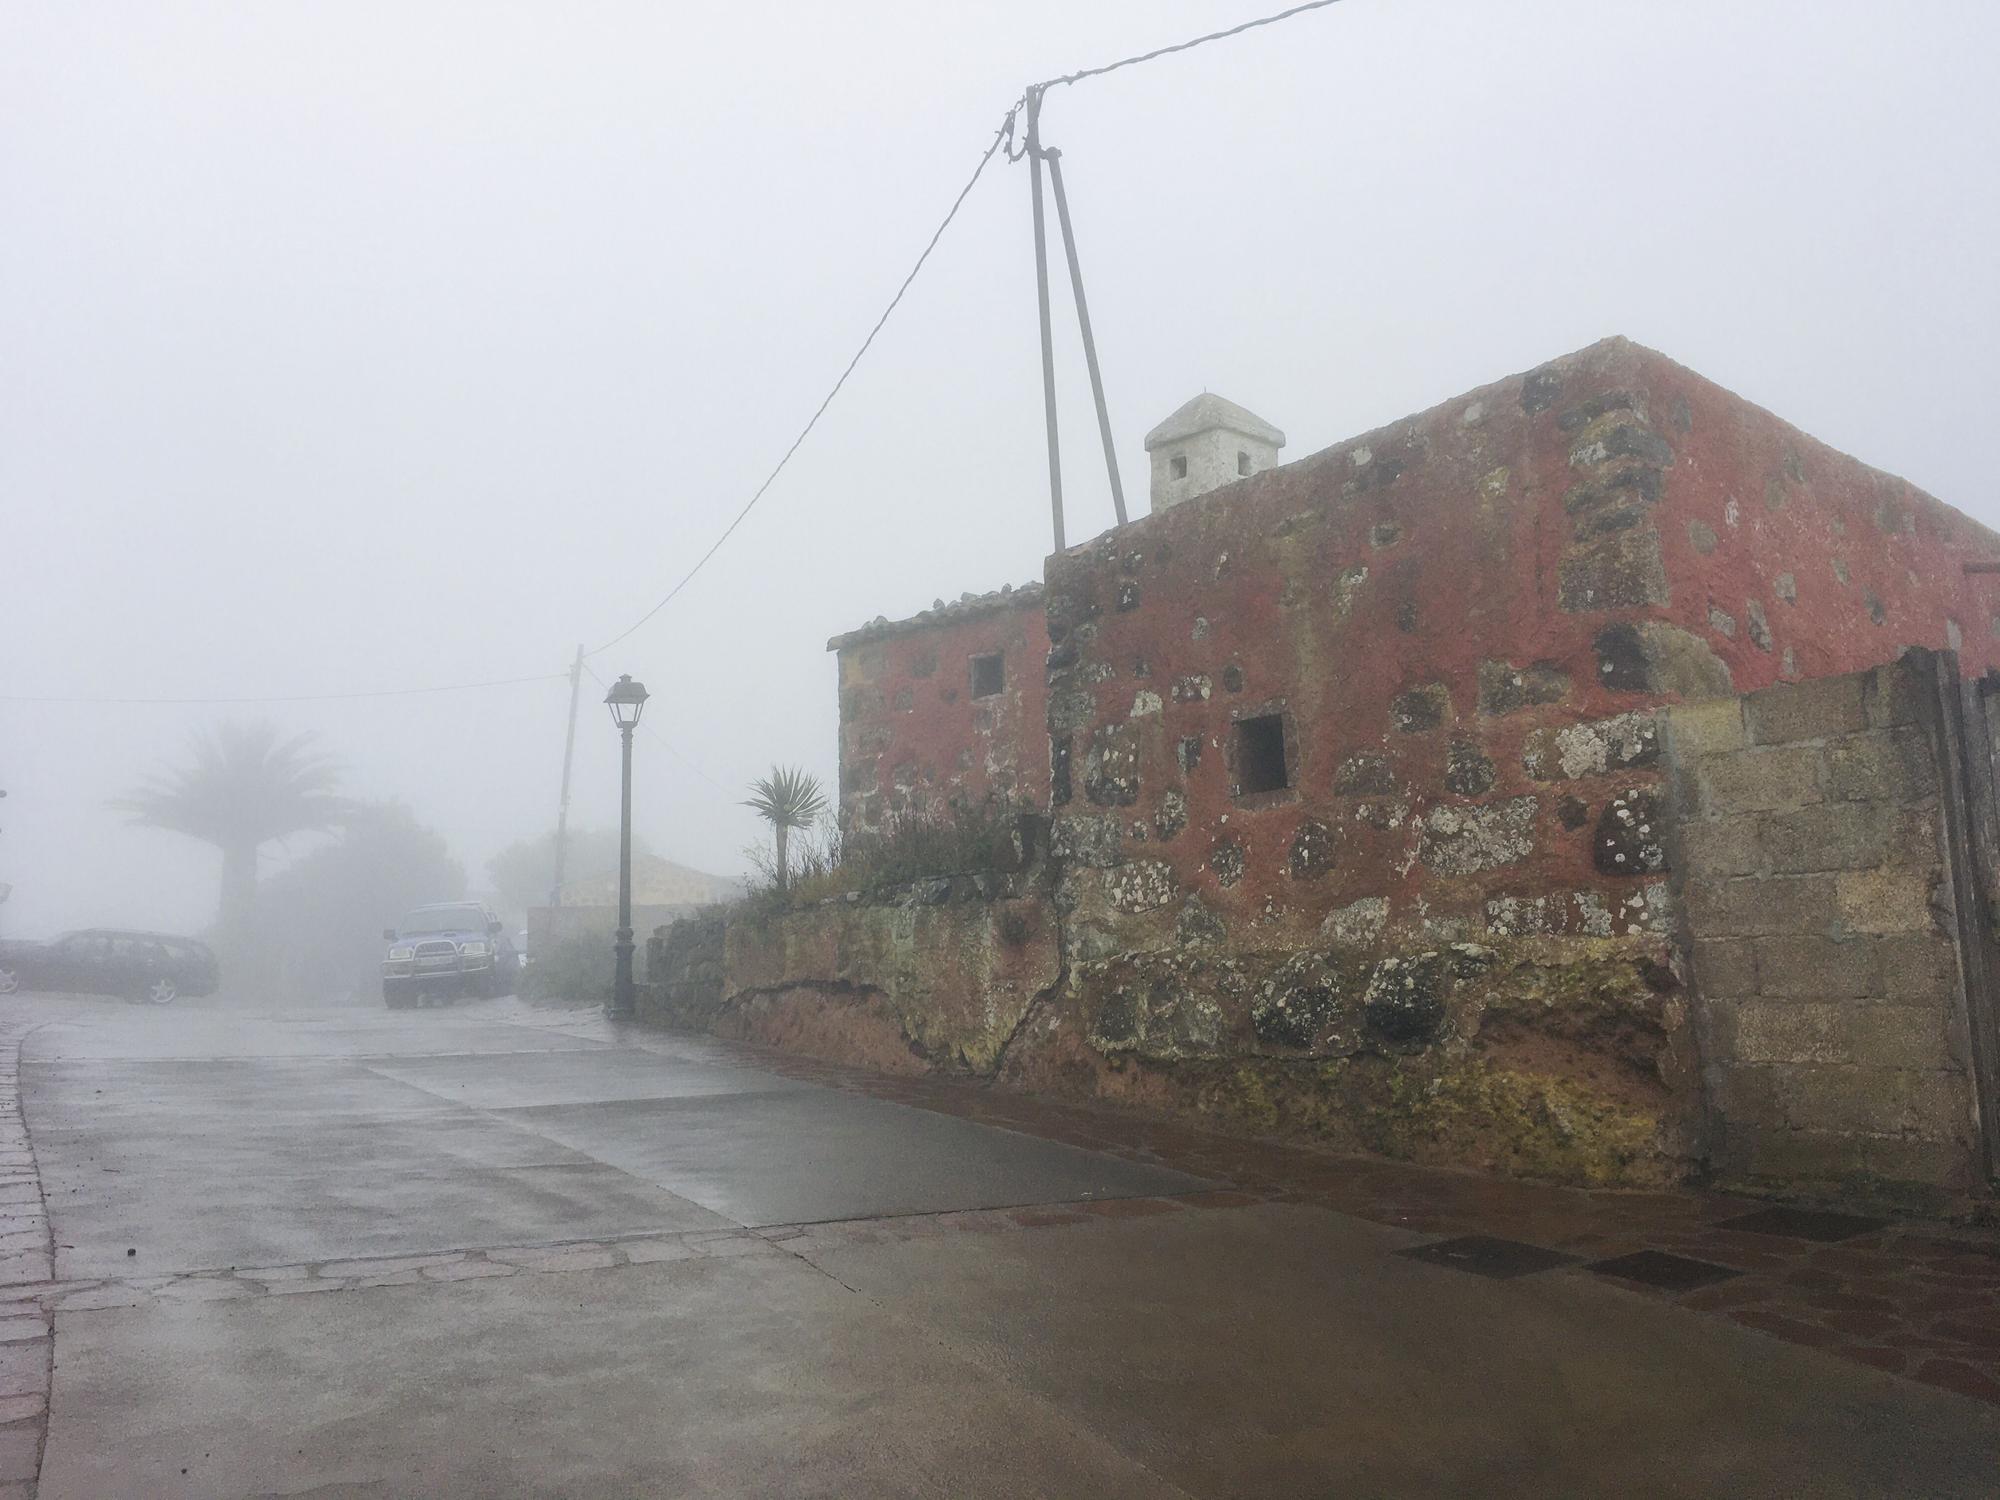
{"type": "Point", "coordinates": [1876, 563]}
{"type": "Point", "coordinates": [1616, 528]}
{"type": "Point", "coordinates": [1550, 523]}
{"type": "Point", "coordinates": [912, 734]}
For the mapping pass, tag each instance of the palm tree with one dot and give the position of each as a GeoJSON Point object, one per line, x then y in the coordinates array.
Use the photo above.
{"type": "Point", "coordinates": [245, 787]}
{"type": "Point", "coordinates": [786, 799]}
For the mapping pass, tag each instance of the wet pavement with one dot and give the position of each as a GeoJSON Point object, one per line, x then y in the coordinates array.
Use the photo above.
{"type": "Point", "coordinates": [494, 1251]}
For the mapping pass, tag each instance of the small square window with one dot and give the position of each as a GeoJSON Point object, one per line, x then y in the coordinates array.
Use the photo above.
{"type": "Point", "coordinates": [1242, 462]}
{"type": "Point", "coordinates": [989, 676]}
{"type": "Point", "coordinates": [1177, 466]}
{"type": "Point", "coordinates": [1260, 755]}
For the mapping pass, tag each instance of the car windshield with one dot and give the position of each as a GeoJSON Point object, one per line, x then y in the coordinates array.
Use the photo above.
{"type": "Point", "coordinates": [444, 919]}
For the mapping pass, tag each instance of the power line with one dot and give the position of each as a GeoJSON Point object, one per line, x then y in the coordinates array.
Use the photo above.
{"type": "Point", "coordinates": [450, 687]}
{"type": "Point", "coordinates": [1198, 41]}
{"type": "Point", "coordinates": [1006, 129]}
{"type": "Point", "coordinates": [660, 739]}
{"type": "Point", "coordinates": [1004, 134]}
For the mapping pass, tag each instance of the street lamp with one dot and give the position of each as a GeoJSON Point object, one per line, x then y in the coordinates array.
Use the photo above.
{"type": "Point", "coordinates": [626, 700]}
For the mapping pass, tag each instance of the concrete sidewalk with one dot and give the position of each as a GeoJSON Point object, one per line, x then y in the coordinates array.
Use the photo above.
{"type": "Point", "coordinates": [482, 1252]}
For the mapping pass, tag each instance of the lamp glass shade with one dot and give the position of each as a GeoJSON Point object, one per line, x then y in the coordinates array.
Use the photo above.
{"type": "Point", "coordinates": [626, 700]}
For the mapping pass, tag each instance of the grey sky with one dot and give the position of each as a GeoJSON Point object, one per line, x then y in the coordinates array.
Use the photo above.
{"type": "Point", "coordinates": [347, 346]}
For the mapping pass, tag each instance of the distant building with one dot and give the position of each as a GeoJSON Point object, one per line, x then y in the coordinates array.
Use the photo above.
{"type": "Point", "coordinates": [661, 892]}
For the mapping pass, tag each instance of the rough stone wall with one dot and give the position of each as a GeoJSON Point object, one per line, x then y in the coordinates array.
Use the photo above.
{"type": "Point", "coordinates": [1467, 624]}
{"type": "Point", "coordinates": [938, 975]}
{"type": "Point", "coordinates": [1825, 936]}
{"type": "Point", "coordinates": [912, 735]}
{"type": "Point", "coordinates": [1793, 560]}
{"type": "Point", "coordinates": [685, 961]}
{"type": "Point", "coordinates": [1451, 934]}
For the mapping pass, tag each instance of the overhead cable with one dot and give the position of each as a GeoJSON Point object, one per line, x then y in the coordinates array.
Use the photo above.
{"type": "Point", "coordinates": [449, 687]}
{"type": "Point", "coordinates": [663, 742]}
{"type": "Point", "coordinates": [1198, 41]}
{"type": "Point", "coordinates": [1005, 130]}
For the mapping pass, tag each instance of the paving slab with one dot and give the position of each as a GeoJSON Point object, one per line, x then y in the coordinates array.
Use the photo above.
{"type": "Point", "coordinates": [692, 1379]}
{"type": "Point", "coordinates": [87, 1027]}
{"type": "Point", "coordinates": [513, 1080]}
{"type": "Point", "coordinates": [815, 1154]}
{"type": "Point", "coordinates": [192, 1220]}
{"type": "Point", "coordinates": [1285, 1350]}
{"type": "Point", "coordinates": [128, 1090]}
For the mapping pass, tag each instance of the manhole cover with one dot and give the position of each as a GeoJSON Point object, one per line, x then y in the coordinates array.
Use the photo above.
{"type": "Point", "coordinates": [1484, 1255]}
{"type": "Point", "coordinates": [1673, 1273]}
{"type": "Point", "coordinates": [1803, 1224]}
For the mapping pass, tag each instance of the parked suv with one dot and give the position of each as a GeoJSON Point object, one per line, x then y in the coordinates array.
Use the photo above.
{"type": "Point", "coordinates": [442, 952]}
{"type": "Point", "coordinates": [150, 967]}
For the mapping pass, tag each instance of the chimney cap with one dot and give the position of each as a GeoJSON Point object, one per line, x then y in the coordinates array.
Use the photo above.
{"type": "Point", "coordinates": [1207, 413]}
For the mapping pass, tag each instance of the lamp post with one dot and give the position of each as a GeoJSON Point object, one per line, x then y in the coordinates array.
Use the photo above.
{"type": "Point", "coordinates": [626, 700]}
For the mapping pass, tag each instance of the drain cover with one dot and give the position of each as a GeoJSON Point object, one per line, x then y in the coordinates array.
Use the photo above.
{"type": "Point", "coordinates": [1803, 1224]}
{"type": "Point", "coordinates": [1673, 1273]}
{"type": "Point", "coordinates": [1483, 1255]}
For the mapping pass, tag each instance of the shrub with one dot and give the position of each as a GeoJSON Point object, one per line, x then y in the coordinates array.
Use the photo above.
{"type": "Point", "coordinates": [951, 838]}
{"type": "Point", "coordinates": [575, 969]}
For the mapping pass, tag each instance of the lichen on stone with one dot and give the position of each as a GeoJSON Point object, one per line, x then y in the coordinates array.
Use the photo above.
{"type": "Point", "coordinates": [1617, 743]}
{"type": "Point", "coordinates": [1358, 924]}
{"type": "Point", "coordinates": [1312, 851]}
{"type": "Point", "coordinates": [1465, 840]}
{"type": "Point", "coordinates": [1142, 885]}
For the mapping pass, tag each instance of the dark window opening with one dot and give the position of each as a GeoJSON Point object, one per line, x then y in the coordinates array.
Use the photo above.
{"type": "Point", "coordinates": [1242, 462]}
{"type": "Point", "coordinates": [1260, 755]}
{"type": "Point", "coordinates": [989, 676]}
{"type": "Point", "coordinates": [1177, 466]}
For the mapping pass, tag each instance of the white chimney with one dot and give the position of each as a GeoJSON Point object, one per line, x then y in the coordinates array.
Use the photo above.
{"type": "Point", "coordinates": [1208, 443]}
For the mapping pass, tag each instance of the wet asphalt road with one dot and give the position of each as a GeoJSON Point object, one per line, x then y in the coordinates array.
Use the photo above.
{"type": "Point", "coordinates": [489, 1251]}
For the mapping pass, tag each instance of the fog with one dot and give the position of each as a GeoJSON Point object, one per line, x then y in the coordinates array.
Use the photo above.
{"type": "Point", "coordinates": [356, 347]}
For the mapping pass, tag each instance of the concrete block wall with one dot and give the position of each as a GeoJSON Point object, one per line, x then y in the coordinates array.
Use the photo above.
{"type": "Point", "coordinates": [1823, 933]}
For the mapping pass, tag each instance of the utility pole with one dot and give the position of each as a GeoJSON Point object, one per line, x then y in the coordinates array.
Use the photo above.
{"type": "Point", "coordinates": [1042, 303]}
{"type": "Point", "coordinates": [1089, 343]}
{"type": "Point", "coordinates": [569, 754]}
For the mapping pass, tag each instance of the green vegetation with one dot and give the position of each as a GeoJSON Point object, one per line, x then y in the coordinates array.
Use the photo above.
{"type": "Point", "coordinates": [576, 969]}
{"type": "Point", "coordinates": [320, 921]}
{"type": "Point", "coordinates": [919, 844]}
{"type": "Point", "coordinates": [790, 801]}
{"type": "Point", "coordinates": [244, 787]}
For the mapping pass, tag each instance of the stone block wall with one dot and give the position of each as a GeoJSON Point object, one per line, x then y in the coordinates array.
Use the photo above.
{"type": "Point", "coordinates": [1826, 932]}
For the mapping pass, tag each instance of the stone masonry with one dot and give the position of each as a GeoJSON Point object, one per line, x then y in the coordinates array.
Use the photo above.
{"type": "Point", "coordinates": [1516, 786]}
{"type": "Point", "coordinates": [1825, 935]}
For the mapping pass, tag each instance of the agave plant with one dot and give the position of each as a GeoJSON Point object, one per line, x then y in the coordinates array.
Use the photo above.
{"type": "Point", "coordinates": [786, 799]}
{"type": "Point", "coordinates": [244, 787]}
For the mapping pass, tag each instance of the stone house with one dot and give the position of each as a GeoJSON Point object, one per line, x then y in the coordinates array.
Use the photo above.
{"type": "Point", "coordinates": [949, 705]}
{"type": "Point", "coordinates": [1539, 782]}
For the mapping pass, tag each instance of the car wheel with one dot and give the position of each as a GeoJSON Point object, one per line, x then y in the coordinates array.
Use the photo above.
{"type": "Point", "coordinates": [162, 992]}
{"type": "Point", "coordinates": [9, 981]}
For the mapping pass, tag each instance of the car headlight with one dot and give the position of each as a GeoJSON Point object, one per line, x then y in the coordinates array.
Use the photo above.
{"type": "Point", "coordinates": [401, 955]}
{"type": "Point", "coordinates": [472, 950]}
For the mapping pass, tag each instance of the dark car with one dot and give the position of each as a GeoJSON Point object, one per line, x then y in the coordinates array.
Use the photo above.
{"type": "Point", "coordinates": [148, 967]}
{"type": "Point", "coordinates": [445, 951]}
